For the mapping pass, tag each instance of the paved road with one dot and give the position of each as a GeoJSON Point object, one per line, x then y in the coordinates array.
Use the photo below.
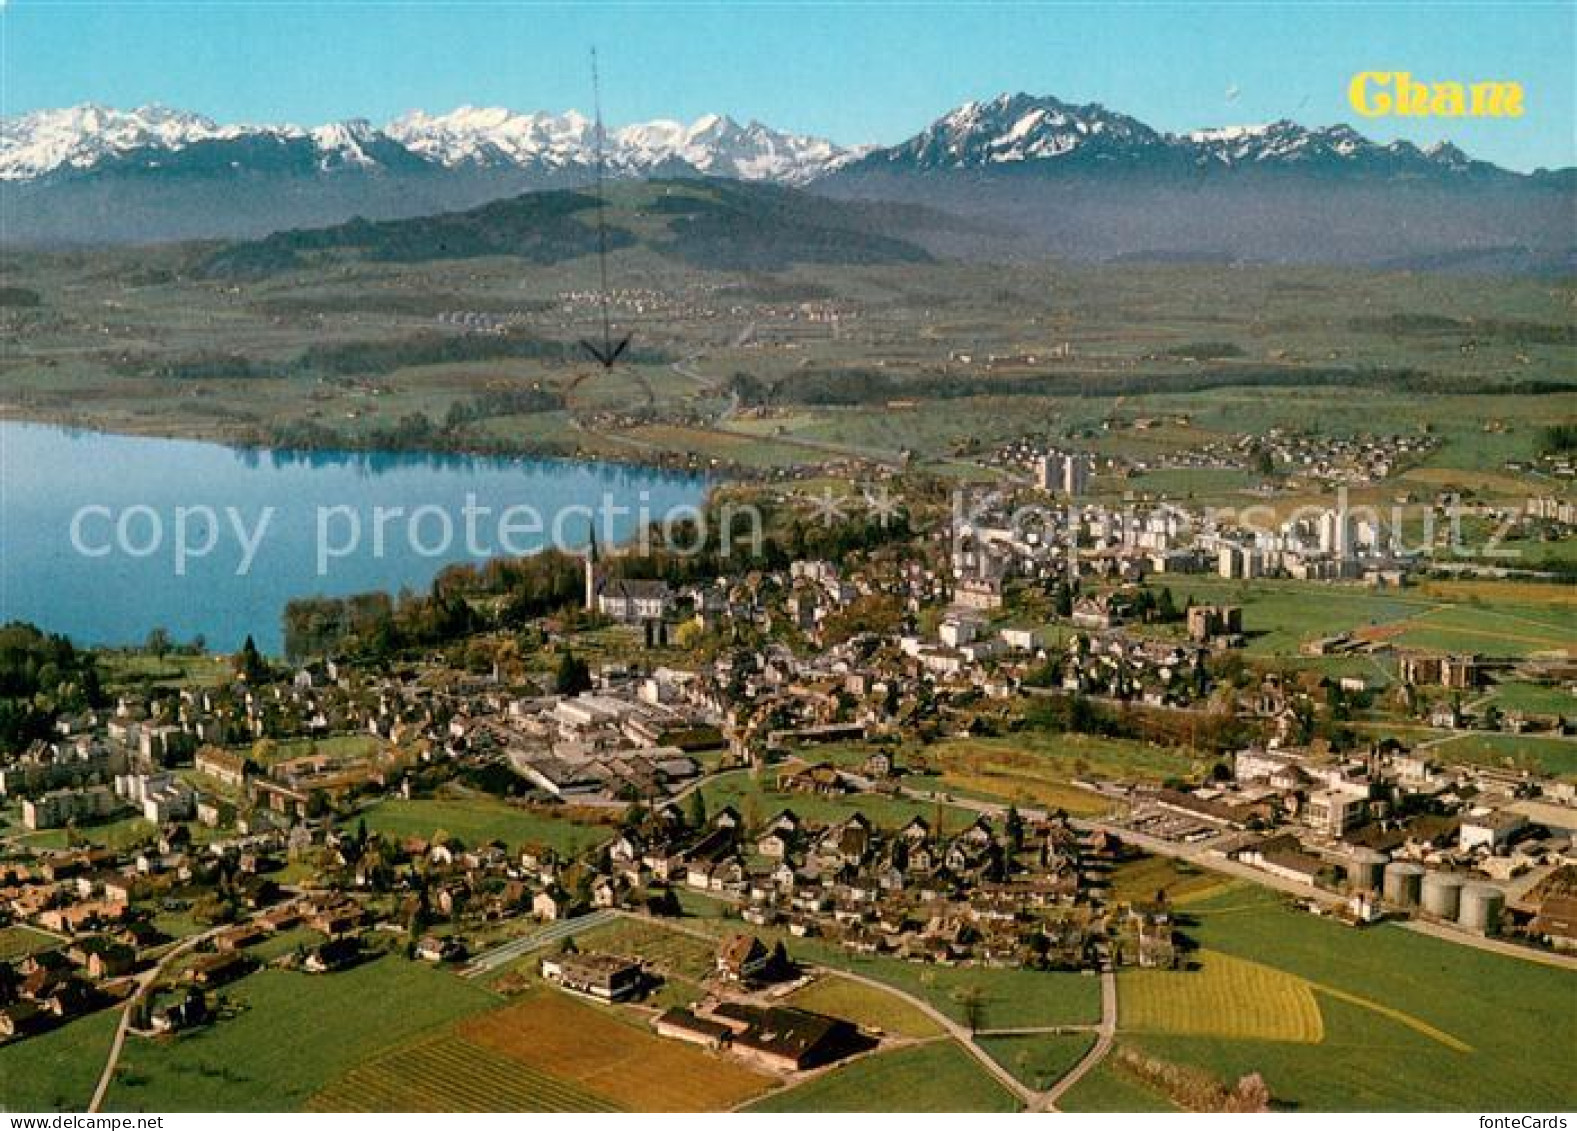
{"type": "Point", "coordinates": [1483, 942]}
{"type": "Point", "coordinates": [959, 1033]}
{"type": "Point", "coordinates": [1027, 1096]}
{"type": "Point", "coordinates": [1106, 1034]}
{"type": "Point", "coordinates": [702, 782]}
{"type": "Point", "coordinates": [1037, 1031]}
{"type": "Point", "coordinates": [505, 953]}
{"type": "Point", "coordinates": [142, 982]}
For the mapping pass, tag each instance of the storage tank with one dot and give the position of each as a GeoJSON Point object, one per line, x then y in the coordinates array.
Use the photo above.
{"type": "Point", "coordinates": [1365, 867]}
{"type": "Point", "coordinates": [1403, 882]}
{"type": "Point", "coordinates": [1481, 907]}
{"type": "Point", "coordinates": [1442, 894]}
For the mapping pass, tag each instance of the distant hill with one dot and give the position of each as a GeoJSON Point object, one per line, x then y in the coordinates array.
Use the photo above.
{"type": "Point", "coordinates": [729, 225]}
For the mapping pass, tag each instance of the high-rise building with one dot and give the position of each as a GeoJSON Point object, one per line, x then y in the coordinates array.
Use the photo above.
{"type": "Point", "coordinates": [1066, 473]}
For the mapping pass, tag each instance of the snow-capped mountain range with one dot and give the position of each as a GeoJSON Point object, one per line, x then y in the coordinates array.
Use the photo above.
{"type": "Point", "coordinates": [1021, 130]}
{"type": "Point", "coordinates": [1043, 175]}
{"type": "Point", "coordinates": [81, 138]}
{"type": "Point", "coordinates": [1016, 130]}
{"type": "Point", "coordinates": [712, 144]}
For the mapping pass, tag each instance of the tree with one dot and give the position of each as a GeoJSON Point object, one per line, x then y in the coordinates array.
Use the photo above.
{"type": "Point", "coordinates": [697, 813]}
{"type": "Point", "coordinates": [249, 662]}
{"type": "Point", "coordinates": [158, 643]}
{"type": "Point", "coordinates": [573, 676]}
{"type": "Point", "coordinates": [1015, 829]}
{"type": "Point", "coordinates": [973, 1002]}
{"type": "Point", "coordinates": [689, 634]}
{"type": "Point", "coordinates": [1251, 1094]}
{"type": "Point", "coordinates": [141, 1013]}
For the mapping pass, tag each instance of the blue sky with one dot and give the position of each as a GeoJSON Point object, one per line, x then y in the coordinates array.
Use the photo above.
{"type": "Point", "coordinates": [852, 71]}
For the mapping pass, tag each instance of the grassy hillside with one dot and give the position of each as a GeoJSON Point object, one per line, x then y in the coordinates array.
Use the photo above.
{"type": "Point", "coordinates": [724, 225]}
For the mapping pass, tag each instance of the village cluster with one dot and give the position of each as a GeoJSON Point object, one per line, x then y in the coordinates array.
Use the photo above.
{"type": "Point", "coordinates": [1306, 457]}
{"type": "Point", "coordinates": [259, 788]}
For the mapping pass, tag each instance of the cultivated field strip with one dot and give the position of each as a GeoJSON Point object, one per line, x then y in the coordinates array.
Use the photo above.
{"type": "Point", "coordinates": [616, 1056]}
{"type": "Point", "coordinates": [446, 1073]}
{"type": "Point", "coordinates": [1226, 997]}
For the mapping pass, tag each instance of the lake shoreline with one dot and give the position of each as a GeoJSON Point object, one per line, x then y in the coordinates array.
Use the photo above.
{"type": "Point", "coordinates": [112, 534]}
{"type": "Point", "coordinates": [247, 439]}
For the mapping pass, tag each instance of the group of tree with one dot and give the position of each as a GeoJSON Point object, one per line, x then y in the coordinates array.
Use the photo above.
{"type": "Point", "coordinates": [1559, 439]}
{"type": "Point", "coordinates": [1156, 607]}
{"type": "Point", "coordinates": [375, 625]}
{"type": "Point", "coordinates": [572, 676]}
{"type": "Point", "coordinates": [1072, 713]}
{"type": "Point", "coordinates": [42, 675]}
{"type": "Point", "coordinates": [1195, 1089]}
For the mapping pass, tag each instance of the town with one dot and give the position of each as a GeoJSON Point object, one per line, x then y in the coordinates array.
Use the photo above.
{"type": "Point", "coordinates": [709, 796]}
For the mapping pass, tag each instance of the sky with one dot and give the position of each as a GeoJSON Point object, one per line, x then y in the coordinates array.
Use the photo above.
{"type": "Point", "coordinates": [855, 72]}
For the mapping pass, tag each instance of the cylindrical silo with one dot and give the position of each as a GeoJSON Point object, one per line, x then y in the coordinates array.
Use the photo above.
{"type": "Point", "coordinates": [1365, 868]}
{"type": "Point", "coordinates": [1442, 894]}
{"type": "Point", "coordinates": [1403, 882]}
{"type": "Point", "coordinates": [1481, 907]}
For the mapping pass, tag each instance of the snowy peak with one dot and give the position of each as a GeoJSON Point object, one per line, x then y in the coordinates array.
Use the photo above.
{"type": "Point", "coordinates": [493, 135]}
{"type": "Point", "coordinates": [1284, 143]}
{"type": "Point", "coordinates": [1019, 128]}
{"type": "Point", "coordinates": [1025, 130]}
{"type": "Point", "coordinates": [719, 146]}
{"type": "Point", "coordinates": [350, 143]}
{"type": "Point", "coordinates": [1011, 131]}
{"type": "Point", "coordinates": [712, 144]}
{"type": "Point", "coordinates": [81, 136]}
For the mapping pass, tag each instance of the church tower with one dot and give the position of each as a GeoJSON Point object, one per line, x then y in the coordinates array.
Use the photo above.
{"type": "Point", "coordinates": [591, 567]}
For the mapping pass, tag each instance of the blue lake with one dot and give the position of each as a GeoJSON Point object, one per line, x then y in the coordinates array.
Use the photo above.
{"type": "Point", "coordinates": [105, 537]}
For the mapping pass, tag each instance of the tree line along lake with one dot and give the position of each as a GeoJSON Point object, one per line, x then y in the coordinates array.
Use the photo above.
{"type": "Point", "coordinates": [105, 537]}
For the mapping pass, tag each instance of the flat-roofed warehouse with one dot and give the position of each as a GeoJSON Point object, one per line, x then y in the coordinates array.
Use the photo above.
{"type": "Point", "coordinates": [607, 977]}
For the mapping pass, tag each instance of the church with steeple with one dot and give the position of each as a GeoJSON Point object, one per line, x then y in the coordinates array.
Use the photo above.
{"type": "Point", "coordinates": [628, 600]}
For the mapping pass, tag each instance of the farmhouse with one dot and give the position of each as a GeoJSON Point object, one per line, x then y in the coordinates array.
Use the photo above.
{"type": "Point", "coordinates": [743, 958]}
{"type": "Point", "coordinates": [219, 968]}
{"type": "Point", "coordinates": [21, 1018]}
{"type": "Point", "coordinates": [786, 1039]}
{"type": "Point", "coordinates": [335, 954]}
{"type": "Point", "coordinates": [681, 1025]}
